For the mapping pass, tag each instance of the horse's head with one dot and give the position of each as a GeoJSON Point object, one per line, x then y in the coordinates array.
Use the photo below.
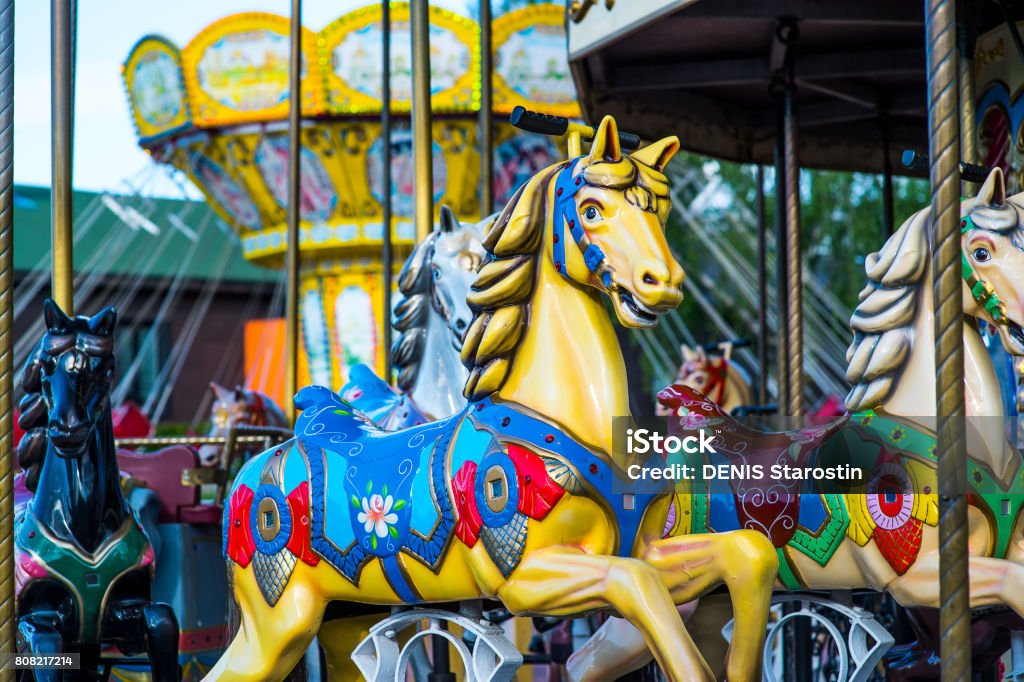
{"type": "Point", "coordinates": [434, 281]}
{"type": "Point", "coordinates": [706, 374]}
{"type": "Point", "coordinates": [76, 364]}
{"type": "Point", "coordinates": [228, 409]}
{"type": "Point", "coordinates": [992, 239]}
{"type": "Point", "coordinates": [609, 231]}
{"type": "Point", "coordinates": [454, 259]}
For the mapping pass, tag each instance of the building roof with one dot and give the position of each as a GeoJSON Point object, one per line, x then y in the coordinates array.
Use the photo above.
{"type": "Point", "coordinates": [114, 236]}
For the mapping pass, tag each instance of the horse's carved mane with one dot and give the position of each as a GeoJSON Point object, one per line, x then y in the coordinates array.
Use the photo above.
{"type": "Point", "coordinates": [411, 313]}
{"type": "Point", "coordinates": [499, 298]}
{"type": "Point", "coordinates": [883, 322]}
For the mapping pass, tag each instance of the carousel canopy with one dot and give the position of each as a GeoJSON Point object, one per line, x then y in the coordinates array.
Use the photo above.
{"type": "Point", "coordinates": [704, 69]}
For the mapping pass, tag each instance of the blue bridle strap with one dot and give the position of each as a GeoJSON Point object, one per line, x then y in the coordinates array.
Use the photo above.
{"type": "Point", "coordinates": [567, 215]}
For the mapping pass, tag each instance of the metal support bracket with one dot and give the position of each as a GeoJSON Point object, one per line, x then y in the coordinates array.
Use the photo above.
{"type": "Point", "coordinates": [864, 645]}
{"type": "Point", "coordinates": [381, 658]}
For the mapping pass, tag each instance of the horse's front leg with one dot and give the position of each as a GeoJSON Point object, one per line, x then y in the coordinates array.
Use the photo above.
{"type": "Point", "coordinates": [42, 637]}
{"type": "Point", "coordinates": [564, 581]}
{"type": "Point", "coordinates": [160, 627]}
{"type": "Point", "coordinates": [747, 563]}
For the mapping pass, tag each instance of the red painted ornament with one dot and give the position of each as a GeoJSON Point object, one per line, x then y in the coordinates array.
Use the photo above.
{"type": "Point", "coordinates": [901, 545]}
{"type": "Point", "coordinates": [538, 494]}
{"type": "Point", "coordinates": [240, 543]}
{"type": "Point", "coordinates": [467, 526]}
{"type": "Point", "coordinates": [299, 543]}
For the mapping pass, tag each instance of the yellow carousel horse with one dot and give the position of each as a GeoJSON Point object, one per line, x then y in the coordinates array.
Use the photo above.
{"type": "Point", "coordinates": [885, 537]}
{"type": "Point", "coordinates": [517, 497]}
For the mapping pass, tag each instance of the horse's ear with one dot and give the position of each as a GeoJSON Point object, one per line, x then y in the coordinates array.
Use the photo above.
{"type": "Point", "coordinates": [606, 142]}
{"type": "Point", "coordinates": [688, 353]}
{"type": "Point", "coordinates": [54, 317]}
{"type": "Point", "coordinates": [219, 392]}
{"type": "Point", "coordinates": [993, 192]}
{"type": "Point", "coordinates": [449, 223]}
{"type": "Point", "coordinates": [658, 154]}
{"type": "Point", "coordinates": [103, 322]}
{"type": "Point", "coordinates": [239, 394]}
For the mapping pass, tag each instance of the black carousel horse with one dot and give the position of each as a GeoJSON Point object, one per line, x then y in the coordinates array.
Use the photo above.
{"type": "Point", "coordinates": [84, 566]}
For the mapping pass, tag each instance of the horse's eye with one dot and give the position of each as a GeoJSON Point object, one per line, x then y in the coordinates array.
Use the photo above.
{"type": "Point", "coordinates": [982, 255]}
{"type": "Point", "coordinates": [437, 274]}
{"type": "Point", "coordinates": [592, 214]}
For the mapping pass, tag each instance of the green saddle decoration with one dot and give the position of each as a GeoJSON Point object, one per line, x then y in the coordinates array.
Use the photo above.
{"type": "Point", "coordinates": [89, 580]}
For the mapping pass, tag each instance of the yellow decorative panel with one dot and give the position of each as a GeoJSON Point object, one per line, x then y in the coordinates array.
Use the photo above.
{"type": "Point", "coordinates": [530, 66]}
{"type": "Point", "coordinates": [350, 58]}
{"type": "Point", "coordinates": [156, 88]}
{"type": "Point", "coordinates": [236, 71]}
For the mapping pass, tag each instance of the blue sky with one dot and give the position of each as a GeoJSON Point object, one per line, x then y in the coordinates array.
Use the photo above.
{"type": "Point", "coordinates": [105, 150]}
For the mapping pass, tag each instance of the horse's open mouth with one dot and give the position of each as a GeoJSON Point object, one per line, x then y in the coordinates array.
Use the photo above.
{"type": "Point", "coordinates": [638, 313]}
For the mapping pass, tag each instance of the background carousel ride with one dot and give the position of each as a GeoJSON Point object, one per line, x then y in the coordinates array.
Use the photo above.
{"type": "Point", "coordinates": [216, 110]}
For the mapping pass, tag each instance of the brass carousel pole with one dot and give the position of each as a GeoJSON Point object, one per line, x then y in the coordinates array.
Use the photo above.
{"type": "Point", "coordinates": [62, 113]}
{"type": "Point", "coordinates": [944, 155]}
{"type": "Point", "coordinates": [486, 102]}
{"type": "Point", "coordinates": [423, 181]}
{"type": "Point", "coordinates": [423, 187]}
{"type": "Point", "coordinates": [794, 263]}
{"type": "Point", "coordinates": [387, 257]}
{"type": "Point", "coordinates": [291, 256]}
{"type": "Point", "coordinates": [6, 316]}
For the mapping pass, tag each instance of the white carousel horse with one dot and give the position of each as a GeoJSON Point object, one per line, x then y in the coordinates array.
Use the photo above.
{"type": "Point", "coordinates": [877, 543]}
{"type": "Point", "coordinates": [432, 316]}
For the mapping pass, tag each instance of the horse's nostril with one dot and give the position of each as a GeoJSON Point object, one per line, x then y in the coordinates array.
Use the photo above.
{"type": "Point", "coordinates": [460, 324]}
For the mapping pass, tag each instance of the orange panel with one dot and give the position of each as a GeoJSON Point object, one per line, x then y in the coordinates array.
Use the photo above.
{"type": "Point", "coordinates": [264, 357]}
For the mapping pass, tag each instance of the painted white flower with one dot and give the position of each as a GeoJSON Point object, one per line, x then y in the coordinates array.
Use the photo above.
{"type": "Point", "coordinates": [377, 514]}
{"type": "Point", "coordinates": [691, 421]}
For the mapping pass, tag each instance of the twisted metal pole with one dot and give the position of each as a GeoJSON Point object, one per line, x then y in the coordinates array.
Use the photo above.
{"type": "Point", "coordinates": [291, 256]}
{"type": "Point", "coordinates": [789, 34]}
{"type": "Point", "coordinates": [947, 288]}
{"type": "Point", "coordinates": [794, 269]}
{"type": "Point", "coordinates": [6, 331]}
